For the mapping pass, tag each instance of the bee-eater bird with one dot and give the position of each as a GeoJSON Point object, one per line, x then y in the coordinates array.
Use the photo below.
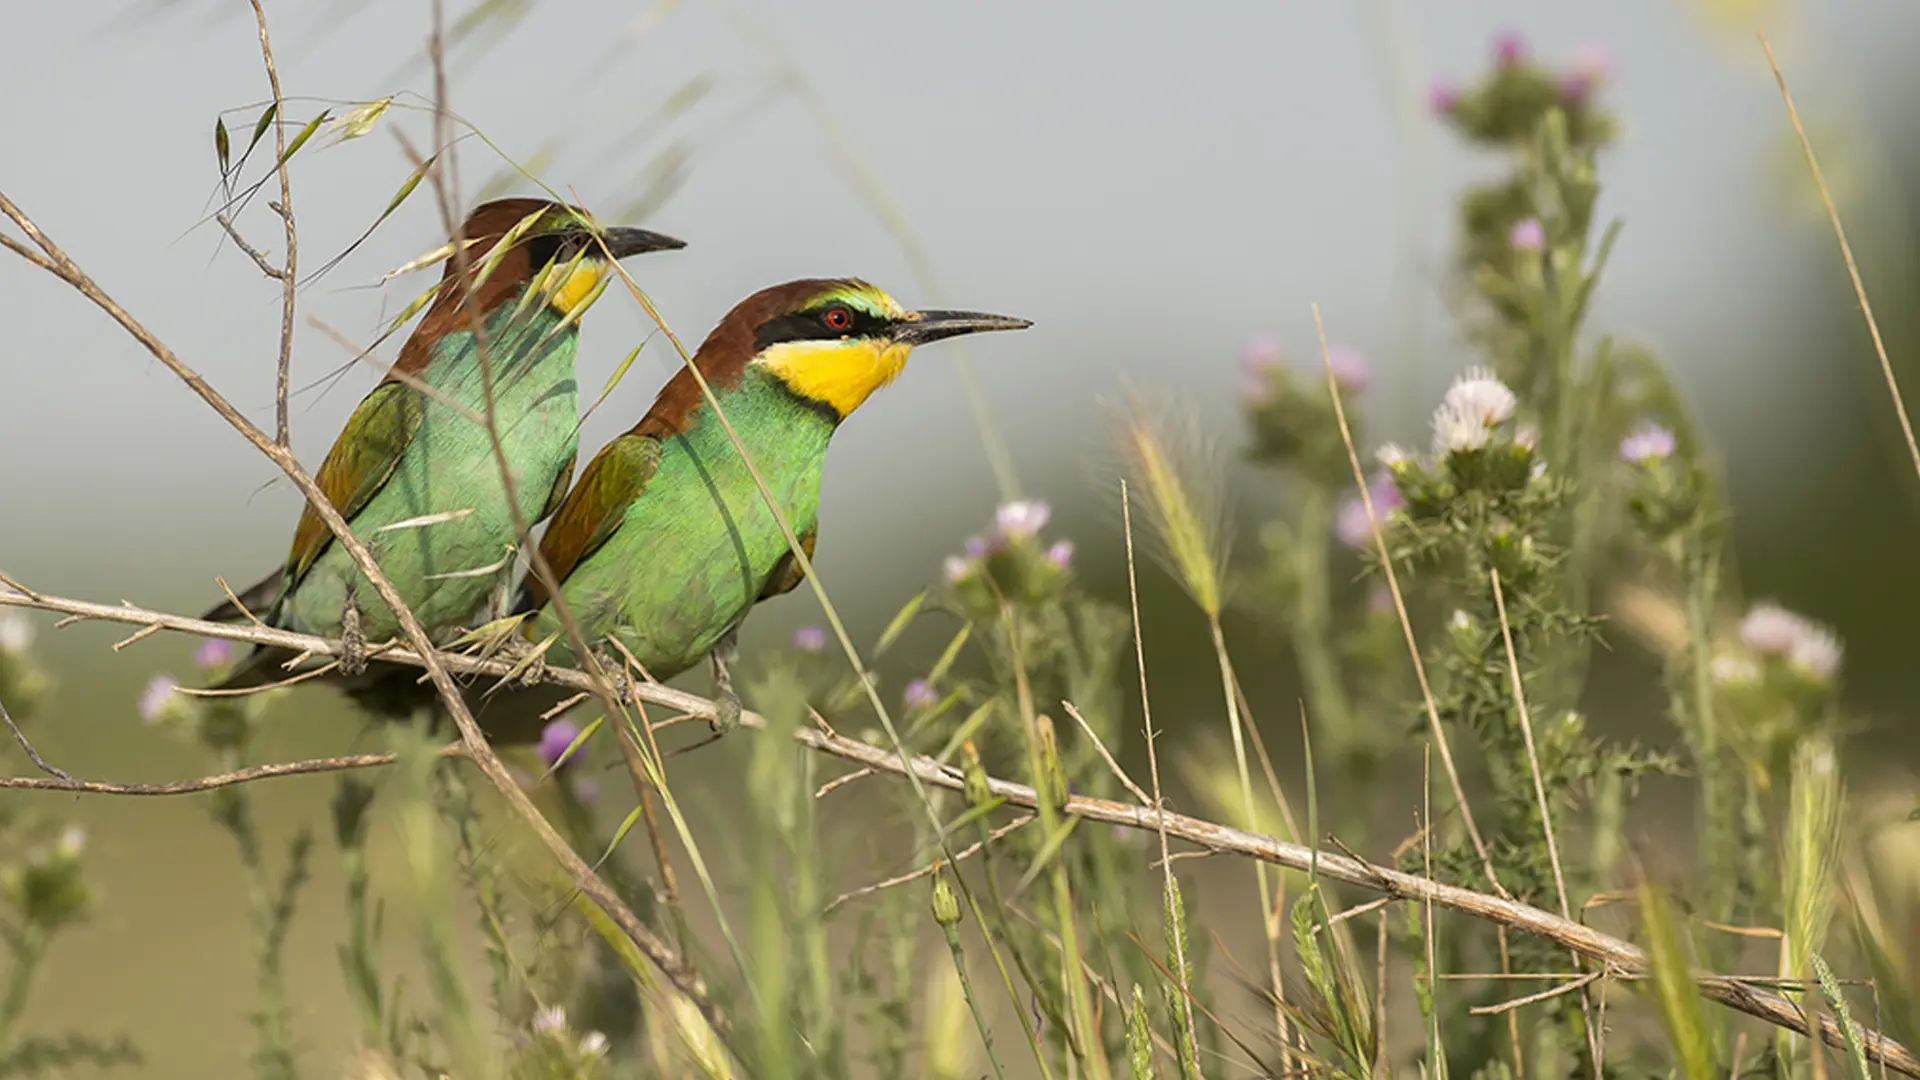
{"type": "Point", "coordinates": [415, 472]}
{"type": "Point", "coordinates": [666, 543]}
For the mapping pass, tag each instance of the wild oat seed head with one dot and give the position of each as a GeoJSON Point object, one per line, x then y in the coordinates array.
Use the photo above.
{"type": "Point", "coordinates": [1177, 471]}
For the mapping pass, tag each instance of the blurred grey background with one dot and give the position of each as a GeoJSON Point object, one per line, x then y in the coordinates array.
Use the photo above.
{"type": "Point", "coordinates": [1152, 184]}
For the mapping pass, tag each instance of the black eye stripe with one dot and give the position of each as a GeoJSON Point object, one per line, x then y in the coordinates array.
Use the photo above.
{"type": "Point", "coordinates": [810, 324]}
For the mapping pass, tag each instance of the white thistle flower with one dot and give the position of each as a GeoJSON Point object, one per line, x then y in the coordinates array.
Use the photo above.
{"type": "Point", "coordinates": [1477, 394]}
{"type": "Point", "coordinates": [1817, 652]}
{"type": "Point", "coordinates": [1454, 431]}
{"type": "Point", "coordinates": [1770, 629]}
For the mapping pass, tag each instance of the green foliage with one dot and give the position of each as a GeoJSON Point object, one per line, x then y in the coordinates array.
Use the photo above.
{"type": "Point", "coordinates": [1565, 466]}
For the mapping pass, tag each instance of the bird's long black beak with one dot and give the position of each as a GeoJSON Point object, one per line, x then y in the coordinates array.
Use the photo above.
{"type": "Point", "coordinates": [622, 242]}
{"type": "Point", "coordinates": [920, 327]}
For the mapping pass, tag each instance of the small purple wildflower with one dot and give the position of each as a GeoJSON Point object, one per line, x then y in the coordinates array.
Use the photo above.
{"type": "Point", "coordinates": [1061, 554]}
{"type": "Point", "coordinates": [1817, 653]}
{"type": "Point", "coordinates": [156, 697]}
{"type": "Point", "coordinates": [1380, 600]}
{"type": "Point", "coordinates": [919, 694]}
{"type": "Point", "coordinates": [1022, 518]}
{"type": "Point", "coordinates": [1442, 97]}
{"type": "Point", "coordinates": [1593, 62]}
{"type": "Point", "coordinates": [978, 547]}
{"type": "Point", "coordinates": [213, 653]}
{"type": "Point", "coordinates": [1509, 49]}
{"type": "Point", "coordinates": [586, 789]}
{"type": "Point", "coordinates": [1259, 356]}
{"type": "Point", "coordinates": [1350, 369]}
{"type": "Point", "coordinates": [555, 738]}
{"type": "Point", "coordinates": [1647, 443]}
{"type": "Point", "coordinates": [1527, 235]}
{"type": "Point", "coordinates": [956, 569]}
{"type": "Point", "coordinates": [1351, 526]}
{"type": "Point", "coordinates": [1770, 629]}
{"type": "Point", "coordinates": [551, 1020]}
{"type": "Point", "coordinates": [16, 633]}
{"type": "Point", "coordinates": [810, 639]}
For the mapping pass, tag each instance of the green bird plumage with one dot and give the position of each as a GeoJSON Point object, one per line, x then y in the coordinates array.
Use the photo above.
{"type": "Point", "coordinates": [414, 470]}
{"type": "Point", "coordinates": [666, 543]}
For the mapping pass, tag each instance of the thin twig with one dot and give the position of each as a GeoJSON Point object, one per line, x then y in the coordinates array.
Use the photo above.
{"type": "Point", "coordinates": [259, 257]}
{"type": "Point", "coordinates": [671, 965]}
{"type": "Point", "coordinates": [1622, 958]}
{"type": "Point", "coordinates": [289, 272]}
{"type": "Point", "coordinates": [1400, 608]}
{"type": "Point", "coordinates": [1846, 253]}
{"type": "Point", "coordinates": [1540, 794]}
{"type": "Point", "coordinates": [27, 745]}
{"type": "Point", "coordinates": [1159, 806]}
{"type": "Point", "coordinates": [930, 868]}
{"type": "Point", "coordinates": [1106, 757]}
{"type": "Point", "coordinates": [217, 780]}
{"type": "Point", "coordinates": [1508, 1006]}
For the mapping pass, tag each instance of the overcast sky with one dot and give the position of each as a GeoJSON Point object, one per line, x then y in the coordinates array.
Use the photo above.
{"type": "Point", "coordinates": [1151, 184]}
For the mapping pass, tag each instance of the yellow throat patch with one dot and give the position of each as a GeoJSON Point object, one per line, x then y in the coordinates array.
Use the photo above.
{"type": "Point", "coordinates": [838, 374]}
{"type": "Point", "coordinates": [578, 287]}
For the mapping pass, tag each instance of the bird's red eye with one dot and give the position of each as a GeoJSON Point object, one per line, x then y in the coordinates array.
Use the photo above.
{"type": "Point", "coordinates": [838, 318]}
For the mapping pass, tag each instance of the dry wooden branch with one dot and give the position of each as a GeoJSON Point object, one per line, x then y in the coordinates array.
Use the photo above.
{"type": "Point", "coordinates": [1619, 958]}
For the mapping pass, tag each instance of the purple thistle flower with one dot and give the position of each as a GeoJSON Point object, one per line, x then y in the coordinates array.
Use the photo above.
{"type": "Point", "coordinates": [1442, 97]}
{"type": "Point", "coordinates": [1527, 235]}
{"type": "Point", "coordinates": [16, 633]}
{"type": "Point", "coordinates": [213, 653]}
{"type": "Point", "coordinates": [1770, 629]}
{"type": "Point", "coordinates": [1260, 355]}
{"type": "Point", "coordinates": [810, 639]}
{"type": "Point", "coordinates": [1592, 62]}
{"type": "Point", "coordinates": [1061, 554]}
{"type": "Point", "coordinates": [919, 694]}
{"type": "Point", "coordinates": [1647, 443]}
{"type": "Point", "coordinates": [551, 1020]}
{"type": "Point", "coordinates": [555, 738]}
{"type": "Point", "coordinates": [1509, 48]}
{"type": "Point", "coordinates": [1351, 526]}
{"type": "Point", "coordinates": [1022, 518]}
{"type": "Point", "coordinates": [586, 789]}
{"type": "Point", "coordinates": [1350, 369]}
{"type": "Point", "coordinates": [978, 547]}
{"type": "Point", "coordinates": [156, 697]}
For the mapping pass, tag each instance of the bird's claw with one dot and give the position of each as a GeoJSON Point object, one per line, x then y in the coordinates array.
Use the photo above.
{"type": "Point", "coordinates": [529, 661]}
{"type": "Point", "coordinates": [353, 643]}
{"type": "Point", "coordinates": [726, 702]}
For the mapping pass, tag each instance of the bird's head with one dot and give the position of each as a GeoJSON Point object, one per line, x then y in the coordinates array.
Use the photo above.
{"type": "Point", "coordinates": [560, 249]}
{"type": "Point", "coordinates": [835, 341]}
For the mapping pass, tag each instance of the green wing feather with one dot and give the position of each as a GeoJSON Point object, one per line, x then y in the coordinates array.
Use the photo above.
{"type": "Point", "coordinates": [595, 508]}
{"type": "Point", "coordinates": [361, 462]}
